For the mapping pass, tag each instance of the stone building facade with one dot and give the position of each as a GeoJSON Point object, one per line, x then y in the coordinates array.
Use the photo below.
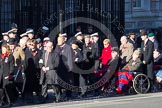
{"type": "Point", "coordinates": [143, 14]}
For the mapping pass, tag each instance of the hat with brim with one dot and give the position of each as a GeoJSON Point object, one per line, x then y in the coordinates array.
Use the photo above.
{"type": "Point", "coordinates": [64, 35]}
{"type": "Point", "coordinates": [46, 39]}
{"type": "Point", "coordinates": [12, 31]}
{"type": "Point", "coordinates": [5, 34]}
{"type": "Point", "coordinates": [24, 35]}
{"type": "Point", "coordinates": [151, 35]}
{"type": "Point", "coordinates": [143, 33]}
{"type": "Point", "coordinates": [29, 30]}
{"type": "Point", "coordinates": [45, 28]}
{"type": "Point", "coordinates": [94, 35]}
{"type": "Point", "coordinates": [78, 34]}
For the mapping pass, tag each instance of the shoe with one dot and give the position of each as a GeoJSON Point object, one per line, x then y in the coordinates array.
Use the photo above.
{"type": "Point", "coordinates": [82, 95]}
{"type": "Point", "coordinates": [58, 100]}
{"type": "Point", "coordinates": [42, 100]}
{"type": "Point", "coordinates": [11, 104]}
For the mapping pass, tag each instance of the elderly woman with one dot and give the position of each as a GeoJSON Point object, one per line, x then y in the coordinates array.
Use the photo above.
{"type": "Point", "coordinates": [104, 59]}
{"type": "Point", "coordinates": [6, 74]}
{"type": "Point", "coordinates": [125, 76]}
{"type": "Point", "coordinates": [106, 52]}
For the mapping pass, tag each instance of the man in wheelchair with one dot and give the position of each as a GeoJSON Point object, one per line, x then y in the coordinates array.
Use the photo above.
{"type": "Point", "coordinates": [124, 76]}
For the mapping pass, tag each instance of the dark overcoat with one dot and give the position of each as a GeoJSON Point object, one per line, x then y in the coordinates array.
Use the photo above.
{"type": "Point", "coordinates": [50, 77]}
{"type": "Point", "coordinates": [6, 68]}
{"type": "Point", "coordinates": [147, 55]}
{"type": "Point", "coordinates": [66, 62]}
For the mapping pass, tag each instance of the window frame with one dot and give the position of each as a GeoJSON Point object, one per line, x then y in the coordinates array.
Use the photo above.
{"type": "Point", "coordinates": [136, 7]}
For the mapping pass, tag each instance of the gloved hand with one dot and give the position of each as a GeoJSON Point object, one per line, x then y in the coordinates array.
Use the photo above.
{"type": "Point", "coordinates": [9, 77]}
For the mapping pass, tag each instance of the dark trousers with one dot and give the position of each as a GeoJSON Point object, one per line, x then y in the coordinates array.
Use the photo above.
{"type": "Point", "coordinates": [1, 96]}
{"type": "Point", "coordinates": [56, 89]}
{"type": "Point", "coordinates": [149, 70]}
{"type": "Point", "coordinates": [83, 83]}
{"type": "Point", "coordinates": [9, 93]}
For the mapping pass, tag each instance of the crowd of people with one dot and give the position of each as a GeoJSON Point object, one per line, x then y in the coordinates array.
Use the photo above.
{"type": "Point", "coordinates": [30, 65]}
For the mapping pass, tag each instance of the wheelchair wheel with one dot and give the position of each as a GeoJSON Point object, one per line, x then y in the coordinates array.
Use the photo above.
{"type": "Point", "coordinates": [141, 83]}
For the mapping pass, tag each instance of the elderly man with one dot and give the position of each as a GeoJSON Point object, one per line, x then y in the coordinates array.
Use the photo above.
{"type": "Point", "coordinates": [126, 50]}
{"type": "Point", "coordinates": [22, 43]}
{"type": "Point", "coordinates": [126, 74]}
{"type": "Point", "coordinates": [49, 66]}
{"type": "Point", "coordinates": [66, 61]}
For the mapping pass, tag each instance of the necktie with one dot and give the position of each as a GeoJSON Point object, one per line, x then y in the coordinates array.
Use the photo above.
{"type": "Point", "coordinates": [46, 58]}
{"type": "Point", "coordinates": [61, 50]}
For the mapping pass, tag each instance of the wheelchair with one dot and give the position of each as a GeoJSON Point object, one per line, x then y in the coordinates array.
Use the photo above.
{"type": "Point", "coordinates": [140, 83]}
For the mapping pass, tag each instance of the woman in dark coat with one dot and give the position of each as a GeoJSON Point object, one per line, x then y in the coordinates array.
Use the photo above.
{"type": "Point", "coordinates": [6, 73]}
{"type": "Point", "coordinates": [32, 70]}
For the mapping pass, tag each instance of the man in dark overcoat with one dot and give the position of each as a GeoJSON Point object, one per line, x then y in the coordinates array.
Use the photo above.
{"type": "Point", "coordinates": [49, 66]}
{"type": "Point", "coordinates": [147, 48]}
{"type": "Point", "coordinates": [66, 62]}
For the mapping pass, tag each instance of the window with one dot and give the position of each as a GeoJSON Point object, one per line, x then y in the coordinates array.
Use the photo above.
{"type": "Point", "coordinates": [136, 3]}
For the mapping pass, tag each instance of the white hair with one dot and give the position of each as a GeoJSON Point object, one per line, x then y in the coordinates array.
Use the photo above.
{"type": "Point", "coordinates": [22, 41]}
{"type": "Point", "coordinates": [49, 43]}
{"type": "Point", "coordinates": [123, 38]}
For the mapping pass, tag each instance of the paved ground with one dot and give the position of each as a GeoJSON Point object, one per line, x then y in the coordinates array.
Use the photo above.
{"type": "Point", "coordinates": [152, 100]}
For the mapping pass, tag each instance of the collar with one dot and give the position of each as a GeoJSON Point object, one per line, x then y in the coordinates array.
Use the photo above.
{"type": "Point", "coordinates": [62, 45]}
{"type": "Point", "coordinates": [145, 41]}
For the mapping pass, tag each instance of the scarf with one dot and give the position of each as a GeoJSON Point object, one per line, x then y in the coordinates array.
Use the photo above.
{"type": "Point", "coordinates": [4, 55]}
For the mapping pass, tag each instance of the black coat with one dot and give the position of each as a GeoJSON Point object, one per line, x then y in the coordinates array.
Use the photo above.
{"type": "Point", "coordinates": [66, 62]}
{"type": "Point", "coordinates": [32, 60]}
{"type": "Point", "coordinates": [147, 55]}
{"type": "Point", "coordinates": [31, 69]}
{"type": "Point", "coordinates": [88, 60]}
{"type": "Point", "coordinates": [133, 42]}
{"type": "Point", "coordinates": [6, 68]}
{"type": "Point", "coordinates": [50, 77]}
{"type": "Point", "coordinates": [96, 51]}
{"type": "Point", "coordinates": [80, 44]}
{"type": "Point", "coordinates": [78, 56]}
{"type": "Point", "coordinates": [87, 51]}
{"type": "Point", "coordinates": [66, 56]}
